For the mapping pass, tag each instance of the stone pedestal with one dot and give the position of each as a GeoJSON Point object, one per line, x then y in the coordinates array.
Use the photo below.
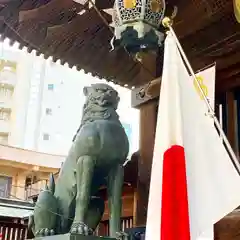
{"type": "Point", "coordinates": [73, 237]}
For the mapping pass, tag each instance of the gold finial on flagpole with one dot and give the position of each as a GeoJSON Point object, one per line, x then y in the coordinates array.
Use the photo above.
{"type": "Point", "coordinates": [167, 22]}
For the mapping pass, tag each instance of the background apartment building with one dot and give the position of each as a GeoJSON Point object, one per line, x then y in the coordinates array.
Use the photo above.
{"type": "Point", "coordinates": [41, 103]}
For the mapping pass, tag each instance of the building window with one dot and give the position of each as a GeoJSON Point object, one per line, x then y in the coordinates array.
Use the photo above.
{"type": "Point", "coordinates": [46, 136]}
{"type": "Point", "coordinates": [4, 139]}
{"type": "Point", "coordinates": [5, 92]}
{"type": "Point", "coordinates": [50, 86]}
{"type": "Point", "coordinates": [4, 115]}
{"type": "Point", "coordinates": [5, 186]}
{"type": "Point", "coordinates": [48, 111]}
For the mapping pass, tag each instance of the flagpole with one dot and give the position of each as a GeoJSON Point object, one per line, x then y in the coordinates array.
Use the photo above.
{"type": "Point", "coordinates": [167, 23]}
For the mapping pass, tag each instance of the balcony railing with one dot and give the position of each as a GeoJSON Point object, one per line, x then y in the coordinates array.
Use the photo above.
{"type": "Point", "coordinates": [21, 192]}
{"type": "Point", "coordinates": [5, 102]}
{"type": "Point", "coordinates": [8, 78]}
{"type": "Point", "coordinates": [34, 189]}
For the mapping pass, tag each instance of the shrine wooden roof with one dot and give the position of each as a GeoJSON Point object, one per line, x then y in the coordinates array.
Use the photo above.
{"type": "Point", "coordinates": [77, 35]}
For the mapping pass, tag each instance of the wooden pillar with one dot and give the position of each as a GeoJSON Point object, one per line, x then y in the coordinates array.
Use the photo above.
{"type": "Point", "coordinates": [231, 120]}
{"type": "Point", "coordinates": [147, 135]}
{"type": "Point", "coordinates": [148, 115]}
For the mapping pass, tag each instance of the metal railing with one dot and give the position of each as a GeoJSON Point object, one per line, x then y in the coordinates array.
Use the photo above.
{"type": "Point", "coordinates": [12, 231]}
{"type": "Point", "coordinates": [22, 192]}
{"type": "Point", "coordinates": [35, 188]}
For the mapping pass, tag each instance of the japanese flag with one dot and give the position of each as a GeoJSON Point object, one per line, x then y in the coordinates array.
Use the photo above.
{"type": "Point", "coordinates": [193, 181]}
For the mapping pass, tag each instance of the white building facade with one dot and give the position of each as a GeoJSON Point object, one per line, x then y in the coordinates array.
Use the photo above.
{"type": "Point", "coordinates": [46, 104]}
{"type": "Point", "coordinates": [15, 81]}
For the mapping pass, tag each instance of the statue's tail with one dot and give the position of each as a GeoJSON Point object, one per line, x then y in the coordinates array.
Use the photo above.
{"type": "Point", "coordinates": [31, 223]}
{"type": "Point", "coordinates": [51, 186]}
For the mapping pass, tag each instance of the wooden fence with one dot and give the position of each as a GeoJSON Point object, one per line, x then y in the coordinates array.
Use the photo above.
{"type": "Point", "coordinates": [12, 231]}
{"type": "Point", "coordinates": [15, 231]}
{"type": "Point", "coordinates": [103, 227]}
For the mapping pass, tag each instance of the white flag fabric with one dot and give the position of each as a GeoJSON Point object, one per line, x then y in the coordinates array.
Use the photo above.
{"type": "Point", "coordinates": [207, 235]}
{"type": "Point", "coordinates": [207, 79]}
{"type": "Point", "coordinates": [193, 181]}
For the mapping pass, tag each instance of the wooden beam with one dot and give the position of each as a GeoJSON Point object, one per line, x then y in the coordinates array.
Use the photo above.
{"type": "Point", "coordinates": [228, 227]}
{"type": "Point", "coordinates": [145, 93]}
{"type": "Point", "coordinates": [148, 117]}
{"type": "Point", "coordinates": [100, 4]}
{"type": "Point", "coordinates": [127, 207]}
{"type": "Point", "coordinates": [225, 80]}
{"type": "Point", "coordinates": [227, 77]}
{"type": "Point", "coordinates": [153, 88]}
{"type": "Point", "coordinates": [135, 198]}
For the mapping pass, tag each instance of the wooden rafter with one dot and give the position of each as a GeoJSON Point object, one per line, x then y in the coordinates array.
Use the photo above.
{"type": "Point", "coordinates": [227, 84]}
{"type": "Point", "coordinates": [52, 10]}
{"type": "Point", "coordinates": [104, 4]}
{"type": "Point", "coordinates": [3, 2]}
{"type": "Point", "coordinates": [229, 73]}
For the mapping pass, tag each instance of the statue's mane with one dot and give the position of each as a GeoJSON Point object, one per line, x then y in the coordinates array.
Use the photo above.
{"type": "Point", "coordinates": [101, 104]}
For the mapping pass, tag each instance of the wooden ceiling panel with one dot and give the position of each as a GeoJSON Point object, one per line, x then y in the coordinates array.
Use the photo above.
{"type": "Point", "coordinates": [219, 36]}
{"type": "Point", "coordinates": [198, 14]}
{"type": "Point", "coordinates": [65, 38]}
{"type": "Point", "coordinates": [230, 72]}
{"type": "Point", "coordinates": [92, 41]}
{"type": "Point", "coordinates": [53, 12]}
{"type": "Point", "coordinates": [59, 35]}
{"type": "Point", "coordinates": [54, 28]}
{"type": "Point", "coordinates": [227, 84]}
{"type": "Point", "coordinates": [97, 48]}
{"type": "Point", "coordinates": [227, 60]}
{"type": "Point", "coordinates": [32, 33]}
{"type": "Point", "coordinates": [9, 14]}
{"type": "Point", "coordinates": [31, 4]}
{"type": "Point", "coordinates": [100, 49]}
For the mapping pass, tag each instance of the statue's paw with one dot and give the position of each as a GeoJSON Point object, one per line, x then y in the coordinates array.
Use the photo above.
{"type": "Point", "coordinates": [122, 236]}
{"type": "Point", "coordinates": [44, 232]}
{"type": "Point", "coordinates": [81, 228]}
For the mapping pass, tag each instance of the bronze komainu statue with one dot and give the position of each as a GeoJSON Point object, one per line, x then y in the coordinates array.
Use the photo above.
{"type": "Point", "coordinates": [95, 159]}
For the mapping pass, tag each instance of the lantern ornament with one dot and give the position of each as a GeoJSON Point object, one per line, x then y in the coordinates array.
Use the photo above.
{"type": "Point", "coordinates": [136, 24]}
{"type": "Point", "coordinates": [236, 5]}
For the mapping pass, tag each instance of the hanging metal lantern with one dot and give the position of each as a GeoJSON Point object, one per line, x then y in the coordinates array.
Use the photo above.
{"type": "Point", "coordinates": [136, 24]}
{"type": "Point", "coordinates": [236, 5]}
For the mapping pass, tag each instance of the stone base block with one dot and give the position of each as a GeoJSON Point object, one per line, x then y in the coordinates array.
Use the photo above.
{"type": "Point", "coordinates": [73, 237]}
